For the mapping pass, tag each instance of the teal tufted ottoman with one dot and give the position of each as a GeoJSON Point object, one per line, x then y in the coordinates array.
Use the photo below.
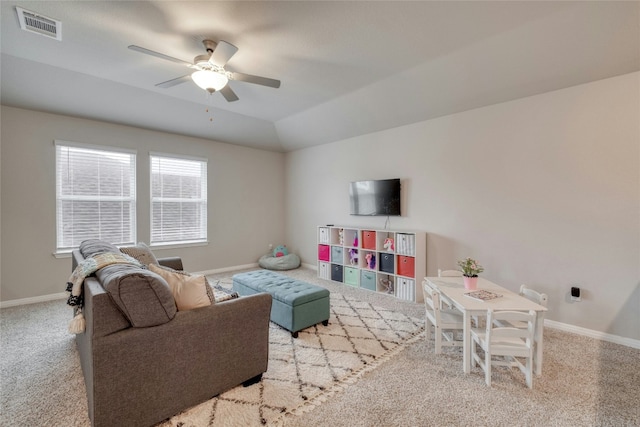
{"type": "Point", "coordinates": [296, 304]}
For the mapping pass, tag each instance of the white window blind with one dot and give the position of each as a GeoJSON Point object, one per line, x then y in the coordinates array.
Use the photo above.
{"type": "Point", "coordinates": [178, 200]}
{"type": "Point", "coordinates": [95, 195]}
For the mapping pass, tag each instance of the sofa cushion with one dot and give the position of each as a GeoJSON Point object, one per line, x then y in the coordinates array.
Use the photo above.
{"type": "Point", "coordinates": [142, 296]}
{"type": "Point", "coordinates": [141, 252]}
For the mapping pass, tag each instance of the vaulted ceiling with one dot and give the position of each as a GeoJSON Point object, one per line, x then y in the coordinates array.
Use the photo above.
{"type": "Point", "coordinates": [347, 68]}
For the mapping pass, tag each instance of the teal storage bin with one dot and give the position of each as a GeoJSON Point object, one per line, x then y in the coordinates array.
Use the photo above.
{"type": "Point", "coordinates": [368, 280]}
{"type": "Point", "coordinates": [351, 276]}
{"type": "Point", "coordinates": [336, 254]}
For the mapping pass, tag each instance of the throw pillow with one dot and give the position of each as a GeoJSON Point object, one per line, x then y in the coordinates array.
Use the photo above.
{"type": "Point", "coordinates": [141, 252]}
{"type": "Point", "coordinates": [189, 291]}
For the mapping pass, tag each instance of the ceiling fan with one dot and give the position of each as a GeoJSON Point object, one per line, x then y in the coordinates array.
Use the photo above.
{"type": "Point", "coordinates": [210, 73]}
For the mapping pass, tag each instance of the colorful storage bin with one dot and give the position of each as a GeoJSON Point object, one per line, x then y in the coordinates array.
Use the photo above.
{"type": "Point", "coordinates": [406, 266]}
{"type": "Point", "coordinates": [369, 239]}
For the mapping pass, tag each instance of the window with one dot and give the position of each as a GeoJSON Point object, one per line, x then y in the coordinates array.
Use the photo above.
{"type": "Point", "coordinates": [95, 195]}
{"type": "Point", "coordinates": [178, 200]}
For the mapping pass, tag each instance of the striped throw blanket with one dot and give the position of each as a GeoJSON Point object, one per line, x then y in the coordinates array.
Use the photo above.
{"type": "Point", "coordinates": [83, 270]}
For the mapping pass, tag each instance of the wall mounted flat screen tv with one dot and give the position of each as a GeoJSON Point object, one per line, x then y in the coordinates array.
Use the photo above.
{"type": "Point", "coordinates": [378, 197]}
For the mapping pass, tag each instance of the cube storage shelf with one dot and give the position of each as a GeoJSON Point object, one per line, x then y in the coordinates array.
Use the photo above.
{"type": "Point", "coordinates": [385, 261]}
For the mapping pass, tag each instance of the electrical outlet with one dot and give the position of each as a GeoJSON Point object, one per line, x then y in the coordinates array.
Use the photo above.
{"type": "Point", "coordinates": [270, 246]}
{"type": "Point", "coordinates": [575, 294]}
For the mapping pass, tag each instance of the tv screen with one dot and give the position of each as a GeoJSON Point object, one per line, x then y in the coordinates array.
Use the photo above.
{"type": "Point", "coordinates": [379, 197]}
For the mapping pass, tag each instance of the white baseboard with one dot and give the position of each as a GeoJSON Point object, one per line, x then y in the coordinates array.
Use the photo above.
{"type": "Point", "coordinates": [244, 267]}
{"type": "Point", "coordinates": [226, 269]}
{"type": "Point", "coordinates": [33, 300]}
{"type": "Point", "coordinates": [628, 342]}
{"type": "Point", "coordinates": [311, 266]}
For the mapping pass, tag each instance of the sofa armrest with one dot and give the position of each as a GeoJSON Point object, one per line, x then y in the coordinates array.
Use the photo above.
{"type": "Point", "coordinates": [171, 262]}
{"type": "Point", "coordinates": [102, 318]}
{"type": "Point", "coordinates": [101, 314]}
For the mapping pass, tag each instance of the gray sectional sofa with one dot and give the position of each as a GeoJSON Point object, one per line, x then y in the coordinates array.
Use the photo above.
{"type": "Point", "coordinates": [140, 375]}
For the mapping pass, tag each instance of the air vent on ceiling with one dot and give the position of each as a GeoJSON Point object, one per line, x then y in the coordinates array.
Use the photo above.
{"type": "Point", "coordinates": [32, 22]}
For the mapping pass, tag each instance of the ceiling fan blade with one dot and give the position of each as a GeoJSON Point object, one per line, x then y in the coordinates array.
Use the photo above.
{"type": "Point", "coordinates": [222, 53]}
{"type": "Point", "coordinates": [174, 82]}
{"type": "Point", "coordinates": [228, 94]}
{"type": "Point", "coordinates": [160, 55]}
{"type": "Point", "coordinates": [256, 80]}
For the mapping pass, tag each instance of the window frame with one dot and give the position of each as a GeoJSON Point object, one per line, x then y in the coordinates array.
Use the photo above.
{"type": "Point", "coordinates": [204, 202]}
{"type": "Point", "coordinates": [64, 250]}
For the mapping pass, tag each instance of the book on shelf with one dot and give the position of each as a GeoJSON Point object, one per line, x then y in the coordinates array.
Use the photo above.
{"type": "Point", "coordinates": [482, 295]}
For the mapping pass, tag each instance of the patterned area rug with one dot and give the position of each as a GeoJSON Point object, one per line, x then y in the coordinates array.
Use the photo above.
{"type": "Point", "coordinates": [304, 372]}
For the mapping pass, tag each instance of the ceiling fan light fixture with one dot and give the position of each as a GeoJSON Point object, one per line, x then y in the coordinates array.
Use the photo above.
{"type": "Point", "coordinates": [210, 81]}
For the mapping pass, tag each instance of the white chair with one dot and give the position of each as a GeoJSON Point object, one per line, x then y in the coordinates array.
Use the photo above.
{"type": "Point", "coordinates": [446, 322]}
{"type": "Point", "coordinates": [533, 295]}
{"type": "Point", "coordinates": [538, 298]}
{"type": "Point", "coordinates": [507, 342]}
{"type": "Point", "coordinates": [542, 299]}
{"type": "Point", "coordinates": [449, 273]}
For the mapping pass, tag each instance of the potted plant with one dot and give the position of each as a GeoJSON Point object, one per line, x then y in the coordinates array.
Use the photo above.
{"type": "Point", "coordinates": [470, 271]}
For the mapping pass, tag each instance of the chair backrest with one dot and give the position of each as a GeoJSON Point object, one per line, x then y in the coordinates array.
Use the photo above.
{"type": "Point", "coordinates": [496, 331]}
{"type": "Point", "coordinates": [533, 295]}
{"type": "Point", "coordinates": [431, 301]}
{"type": "Point", "coordinates": [449, 273]}
{"type": "Point", "coordinates": [429, 295]}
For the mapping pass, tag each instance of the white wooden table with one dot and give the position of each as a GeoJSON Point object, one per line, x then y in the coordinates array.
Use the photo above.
{"type": "Point", "coordinates": [452, 289]}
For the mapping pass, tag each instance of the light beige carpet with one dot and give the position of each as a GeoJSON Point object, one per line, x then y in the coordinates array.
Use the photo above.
{"type": "Point", "coordinates": [303, 372]}
{"type": "Point", "coordinates": [585, 382]}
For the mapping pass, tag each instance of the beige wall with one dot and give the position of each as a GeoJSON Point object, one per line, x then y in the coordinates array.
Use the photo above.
{"type": "Point", "coordinates": [543, 190]}
{"type": "Point", "coordinates": [246, 200]}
